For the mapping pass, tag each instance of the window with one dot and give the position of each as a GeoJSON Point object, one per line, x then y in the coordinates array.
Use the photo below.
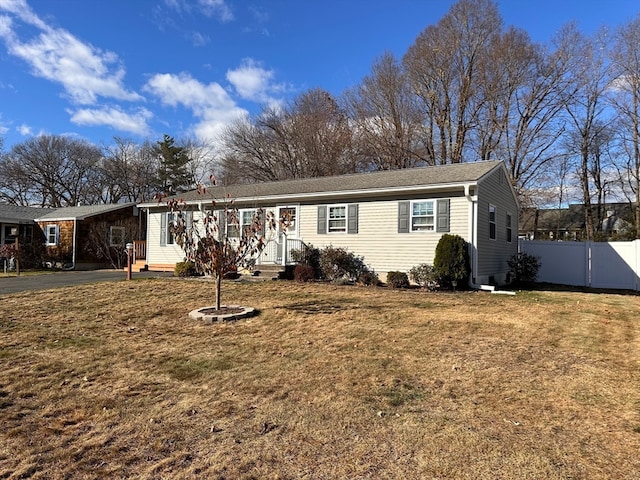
{"type": "Point", "coordinates": [422, 216]}
{"type": "Point", "coordinates": [492, 222]}
{"type": "Point", "coordinates": [337, 219]}
{"type": "Point", "coordinates": [246, 221]}
{"type": "Point", "coordinates": [288, 215]}
{"type": "Point", "coordinates": [171, 222]}
{"type": "Point", "coordinates": [509, 228]}
{"type": "Point", "coordinates": [51, 233]}
{"type": "Point", "coordinates": [116, 236]}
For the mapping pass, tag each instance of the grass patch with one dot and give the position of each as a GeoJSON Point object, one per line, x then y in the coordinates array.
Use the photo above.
{"type": "Point", "coordinates": [327, 382]}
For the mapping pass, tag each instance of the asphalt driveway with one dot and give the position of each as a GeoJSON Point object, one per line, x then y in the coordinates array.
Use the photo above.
{"type": "Point", "coordinates": [63, 279]}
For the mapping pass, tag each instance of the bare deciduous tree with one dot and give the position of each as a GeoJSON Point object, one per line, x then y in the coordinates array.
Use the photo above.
{"type": "Point", "coordinates": [310, 137]}
{"type": "Point", "coordinates": [625, 57]}
{"type": "Point", "coordinates": [444, 67]}
{"type": "Point", "coordinates": [52, 171]}
{"type": "Point", "coordinates": [389, 130]}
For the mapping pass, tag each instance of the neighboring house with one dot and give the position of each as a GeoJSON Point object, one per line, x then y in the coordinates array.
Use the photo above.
{"type": "Point", "coordinates": [616, 219]}
{"type": "Point", "coordinates": [92, 236]}
{"type": "Point", "coordinates": [16, 221]}
{"type": "Point", "coordinates": [394, 219]}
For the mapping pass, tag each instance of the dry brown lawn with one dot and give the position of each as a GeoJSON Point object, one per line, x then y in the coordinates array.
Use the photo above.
{"type": "Point", "coordinates": [328, 382]}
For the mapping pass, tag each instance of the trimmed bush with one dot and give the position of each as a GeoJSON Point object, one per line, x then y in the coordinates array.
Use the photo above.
{"type": "Point", "coordinates": [524, 267]}
{"type": "Point", "coordinates": [451, 262]}
{"type": "Point", "coordinates": [185, 269]}
{"type": "Point", "coordinates": [369, 279]}
{"type": "Point", "coordinates": [337, 264]}
{"type": "Point", "coordinates": [425, 276]}
{"type": "Point", "coordinates": [308, 255]}
{"type": "Point", "coordinates": [397, 280]}
{"type": "Point", "coordinates": [304, 273]}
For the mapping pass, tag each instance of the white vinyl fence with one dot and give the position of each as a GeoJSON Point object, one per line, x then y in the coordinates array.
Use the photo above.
{"type": "Point", "coordinates": [614, 265]}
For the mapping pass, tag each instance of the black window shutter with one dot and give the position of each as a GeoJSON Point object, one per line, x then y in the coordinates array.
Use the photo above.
{"type": "Point", "coordinates": [403, 217]}
{"type": "Point", "coordinates": [322, 219]}
{"type": "Point", "coordinates": [442, 219]}
{"type": "Point", "coordinates": [352, 218]}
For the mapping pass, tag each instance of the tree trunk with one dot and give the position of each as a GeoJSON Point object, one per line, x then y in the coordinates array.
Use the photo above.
{"type": "Point", "coordinates": [218, 290]}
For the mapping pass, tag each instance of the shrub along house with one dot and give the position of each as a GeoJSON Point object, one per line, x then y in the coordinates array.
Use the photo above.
{"type": "Point", "coordinates": [89, 237]}
{"type": "Point", "coordinates": [393, 219]}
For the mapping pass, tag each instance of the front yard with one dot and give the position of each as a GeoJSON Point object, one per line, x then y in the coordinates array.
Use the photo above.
{"type": "Point", "coordinates": [115, 381]}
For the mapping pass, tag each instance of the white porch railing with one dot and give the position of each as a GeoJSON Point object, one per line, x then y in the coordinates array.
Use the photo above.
{"type": "Point", "coordinates": [278, 252]}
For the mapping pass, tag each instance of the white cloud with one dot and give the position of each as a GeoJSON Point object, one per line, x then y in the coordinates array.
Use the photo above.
{"type": "Point", "coordinates": [217, 8]}
{"type": "Point", "coordinates": [209, 8]}
{"type": "Point", "coordinates": [199, 40]}
{"type": "Point", "coordinates": [135, 123]}
{"type": "Point", "coordinates": [253, 82]}
{"type": "Point", "coordinates": [85, 72]}
{"type": "Point", "coordinates": [25, 130]}
{"type": "Point", "coordinates": [208, 102]}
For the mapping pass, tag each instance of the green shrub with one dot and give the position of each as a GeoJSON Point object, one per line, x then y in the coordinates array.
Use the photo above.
{"type": "Point", "coordinates": [185, 269]}
{"type": "Point", "coordinates": [524, 267]}
{"type": "Point", "coordinates": [451, 261]}
{"type": "Point", "coordinates": [425, 276]}
{"type": "Point", "coordinates": [397, 280]}
{"type": "Point", "coordinates": [338, 264]}
{"type": "Point", "coordinates": [304, 273]}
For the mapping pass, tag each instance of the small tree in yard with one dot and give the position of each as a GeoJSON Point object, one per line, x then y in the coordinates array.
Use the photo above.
{"type": "Point", "coordinates": [211, 249]}
{"type": "Point", "coordinates": [524, 268]}
{"type": "Point", "coordinates": [451, 261]}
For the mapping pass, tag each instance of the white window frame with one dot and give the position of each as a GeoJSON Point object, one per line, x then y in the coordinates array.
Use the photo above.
{"type": "Point", "coordinates": [171, 222]}
{"type": "Point", "coordinates": [292, 229]}
{"type": "Point", "coordinates": [344, 219]}
{"type": "Point", "coordinates": [250, 212]}
{"type": "Point", "coordinates": [52, 231]}
{"type": "Point", "coordinates": [430, 228]}
{"type": "Point", "coordinates": [509, 220]}
{"type": "Point", "coordinates": [116, 236]}
{"type": "Point", "coordinates": [493, 214]}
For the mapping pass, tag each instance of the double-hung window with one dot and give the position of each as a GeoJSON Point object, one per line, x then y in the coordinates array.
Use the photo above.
{"type": "Point", "coordinates": [337, 219]}
{"type": "Point", "coordinates": [52, 234]}
{"type": "Point", "coordinates": [492, 222]}
{"type": "Point", "coordinates": [509, 228]}
{"type": "Point", "coordinates": [246, 221]}
{"type": "Point", "coordinates": [422, 216]}
{"type": "Point", "coordinates": [116, 236]}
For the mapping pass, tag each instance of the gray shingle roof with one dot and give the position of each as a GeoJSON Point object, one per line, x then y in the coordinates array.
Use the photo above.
{"type": "Point", "coordinates": [15, 214]}
{"type": "Point", "coordinates": [359, 182]}
{"type": "Point", "coordinates": [82, 212]}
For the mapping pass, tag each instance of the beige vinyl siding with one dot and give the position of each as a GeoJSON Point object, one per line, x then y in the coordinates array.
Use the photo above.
{"type": "Point", "coordinates": [378, 240]}
{"type": "Point", "coordinates": [161, 254]}
{"type": "Point", "coordinates": [493, 255]}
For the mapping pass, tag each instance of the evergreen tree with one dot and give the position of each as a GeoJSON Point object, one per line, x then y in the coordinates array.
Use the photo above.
{"type": "Point", "coordinates": [173, 173]}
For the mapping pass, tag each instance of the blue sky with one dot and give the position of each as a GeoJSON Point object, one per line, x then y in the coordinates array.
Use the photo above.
{"type": "Point", "coordinates": [138, 69]}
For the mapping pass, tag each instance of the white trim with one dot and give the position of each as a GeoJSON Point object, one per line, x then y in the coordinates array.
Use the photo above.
{"type": "Point", "coordinates": [56, 234]}
{"type": "Point", "coordinates": [434, 206]}
{"type": "Point", "coordinates": [346, 219]}
{"type": "Point", "coordinates": [495, 221]}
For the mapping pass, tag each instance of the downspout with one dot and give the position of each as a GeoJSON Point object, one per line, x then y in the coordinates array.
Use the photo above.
{"type": "Point", "coordinates": [73, 251]}
{"type": "Point", "coordinates": [473, 234]}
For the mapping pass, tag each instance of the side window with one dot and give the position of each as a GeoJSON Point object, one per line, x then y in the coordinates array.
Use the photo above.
{"type": "Point", "coordinates": [509, 228]}
{"type": "Point", "coordinates": [116, 236]}
{"type": "Point", "coordinates": [52, 234]}
{"type": "Point", "coordinates": [492, 222]}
